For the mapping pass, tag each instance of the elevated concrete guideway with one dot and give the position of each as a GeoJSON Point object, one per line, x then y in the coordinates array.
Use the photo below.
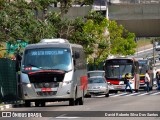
{"type": "Point", "coordinates": [139, 18]}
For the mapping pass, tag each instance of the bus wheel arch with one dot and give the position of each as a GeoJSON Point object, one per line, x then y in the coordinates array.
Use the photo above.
{"type": "Point", "coordinates": [81, 99]}
{"type": "Point", "coordinates": [74, 101]}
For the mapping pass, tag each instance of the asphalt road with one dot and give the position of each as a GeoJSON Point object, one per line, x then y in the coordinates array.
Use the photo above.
{"type": "Point", "coordinates": [96, 107]}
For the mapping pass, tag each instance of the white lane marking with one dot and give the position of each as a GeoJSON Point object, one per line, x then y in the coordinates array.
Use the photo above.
{"type": "Point", "coordinates": [63, 116]}
{"type": "Point", "coordinates": [156, 93]}
{"type": "Point", "coordinates": [132, 94]}
{"type": "Point", "coordinates": [143, 94]}
{"type": "Point", "coordinates": [143, 51]}
{"type": "Point", "coordinates": [119, 94]}
{"type": "Point", "coordinates": [129, 94]}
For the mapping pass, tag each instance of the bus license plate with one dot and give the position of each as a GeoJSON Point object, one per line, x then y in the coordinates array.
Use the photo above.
{"type": "Point", "coordinates": [119, 86]}
{"type": "Point", "coordinates": [46, 89]}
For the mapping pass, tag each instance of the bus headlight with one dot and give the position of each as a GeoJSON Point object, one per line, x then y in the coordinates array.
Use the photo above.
{"type": "Point", "coordinates": [67, 82]}
{"type": "Point", "coordinates": [29, 85]}
{"type": "Point", "coordinates": [121, 82]}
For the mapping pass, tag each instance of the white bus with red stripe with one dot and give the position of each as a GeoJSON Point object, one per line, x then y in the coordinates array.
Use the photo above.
{"type": "Point", "coordinates": [53, 70]}
{"type": "Point", "coordinates": [115, 70]}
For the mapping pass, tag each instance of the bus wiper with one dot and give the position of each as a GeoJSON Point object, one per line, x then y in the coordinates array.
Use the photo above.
{"type": "Point", "coordinates": [141, 69]}
{"type": "Point", "coordinates": [31, 65]}
{"type": "Point", "coordinates": [59, 69]}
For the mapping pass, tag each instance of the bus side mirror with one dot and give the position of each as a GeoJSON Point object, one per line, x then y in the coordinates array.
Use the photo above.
{"type": "Point", "coordinates": [18, 62]}
{"type": "Point", "coordinates": [76, 55]}
{"type": "Point", "coordinates": [19, 57]}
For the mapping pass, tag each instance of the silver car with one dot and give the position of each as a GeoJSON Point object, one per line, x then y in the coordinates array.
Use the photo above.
{"type": "Point", "coordinates": [96, 73]}
{"type": "Point", "coordinates": [97, 85]}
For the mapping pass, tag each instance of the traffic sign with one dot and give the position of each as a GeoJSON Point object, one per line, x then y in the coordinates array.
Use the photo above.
{"type": "Point", "coordinates": [11, 47]}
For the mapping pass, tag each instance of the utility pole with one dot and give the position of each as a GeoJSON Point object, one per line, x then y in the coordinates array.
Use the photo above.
{"type": "Point", "coordinates": [107, 10]}
{"type": "Point", "coordinates": [100, 6]}
{"type": "Point", "coordinates": [153, 52]}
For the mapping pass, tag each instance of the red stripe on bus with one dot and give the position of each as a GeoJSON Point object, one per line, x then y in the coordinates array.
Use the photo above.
{"type": "Point", "coordinates": [84, 82]}
{"type": "Point", "coordinates": [115, 82]}
{"type": "Point", "coordinates": [42, 71]}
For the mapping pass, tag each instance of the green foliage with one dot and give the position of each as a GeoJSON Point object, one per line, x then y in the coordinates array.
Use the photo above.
{"type": "Point", "coordinates": [20, 20]}
{"type": "Point", "coordinates": [85, 2]}
{"type": "Point", "coordinates": [97, 44]}
{"type": "Point", "coordinates": [122, 41]}
{"type": "Point", "coordinates": [44, 3]}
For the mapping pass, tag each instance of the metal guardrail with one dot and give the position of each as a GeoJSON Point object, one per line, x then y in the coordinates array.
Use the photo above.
{"type": "Point", "coordinates": [103, 2]}
{"type": "Point", "coordinates": [133, 1]}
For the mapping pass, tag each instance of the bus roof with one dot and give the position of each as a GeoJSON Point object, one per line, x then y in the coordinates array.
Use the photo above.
{"type": "Point", "coordinates": [48, 43]}
{"type": "Point", "coordinates": [127, 58]}
{"type": "Point", "coordinates": [55, 40]}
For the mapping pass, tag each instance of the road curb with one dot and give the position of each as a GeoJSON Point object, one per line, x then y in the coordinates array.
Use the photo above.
{"type": "Point", "coordinates": [7, 106]}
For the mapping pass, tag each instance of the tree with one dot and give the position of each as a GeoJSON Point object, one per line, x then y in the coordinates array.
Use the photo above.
{"type": "Point", "coordinates": [122, 41]}
{"type": "Point", "coordinates": [42, 5]}
{"type": "Point", "coordinates": [18, 21]}
{"type": "Point", "coordinates": [90, 34]}
{"type": "Point", "coordinates": [98, 45]}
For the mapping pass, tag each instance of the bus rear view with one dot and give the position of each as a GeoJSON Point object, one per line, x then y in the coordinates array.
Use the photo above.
{"type": "Point", "coordinates": [50, 72]}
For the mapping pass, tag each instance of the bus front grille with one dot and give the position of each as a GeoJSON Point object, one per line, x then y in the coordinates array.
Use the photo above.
{"type": "Point", "coordinates": [50, 93]}
{"type": "Point", "coordinates": [46, 85]}
{"type": "Point", "coordinates": [46, 77]}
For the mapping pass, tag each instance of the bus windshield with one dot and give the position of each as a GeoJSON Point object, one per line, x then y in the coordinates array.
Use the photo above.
{"type": "Point", "coordinates": [118, 71]}
{"type": "Point", "coordinates": [48, 59]}
{"type": "Point", "coordinates": [142, 66]}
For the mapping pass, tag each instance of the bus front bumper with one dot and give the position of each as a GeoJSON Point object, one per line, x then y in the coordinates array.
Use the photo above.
{"type": "Point", "coordinates": [117, 87]}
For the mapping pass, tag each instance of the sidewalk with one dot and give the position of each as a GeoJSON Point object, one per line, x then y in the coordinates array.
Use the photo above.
{"type": "Point", "coordinates": [3, 107]}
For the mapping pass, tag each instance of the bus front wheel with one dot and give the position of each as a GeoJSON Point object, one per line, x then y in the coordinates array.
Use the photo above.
{"type": "Point", "coordinates": [43, 104]}
{"type": "Point", "coordinates": [81, 101]}
{"type": "Point", "coordinates": [107, 95]}
{"type": "Point", "coordinates": [27, 103]}
{"type": "Point", "coordinates": [136, 90]}
{"type": "Point", "coordinates": [71, 102]}
{"type": "Point", "coordinates": [37, 104]}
